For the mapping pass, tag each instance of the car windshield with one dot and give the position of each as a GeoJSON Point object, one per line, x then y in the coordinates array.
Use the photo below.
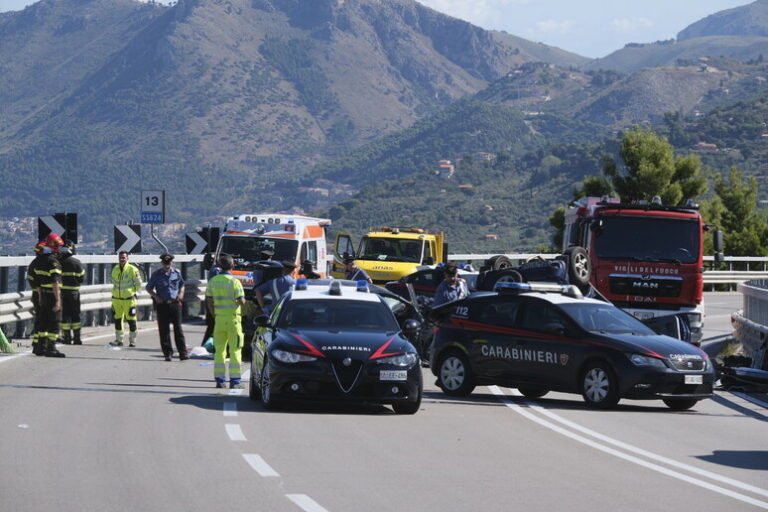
{"type": "Point", "coordinates": [604, 318]}
{"type": "Point", "coordinates": [245, 250]}
{"type": "Point", "coordinates": [627, 237]}
{"type": "Point", "coordinates": [390, 249]}
{"type": "Point", "coordinates": [333, 314]}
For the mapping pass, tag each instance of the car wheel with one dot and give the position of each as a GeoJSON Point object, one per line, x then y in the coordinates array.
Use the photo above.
{"type": "Point", "coordinates": [267, 400]}
{"type": "Point", "coordinates": [454, 375]}
{"type": "Point", "coordinates": [254, 393]}
{"type": "Point", "coordinates": [579, 266]}
{"type": "Point", "coordinates": [533, 393]}
{"type": "Point", "coordinates": [599, 386]}
{"type": "Point", "coordinates": [508, 276]}
{"type": "Point", "coordinates": [498, 262]}
{"type": "Point", "coordinates": [409, 407]}
{"type": "Point", "coordinates": [680, 404]}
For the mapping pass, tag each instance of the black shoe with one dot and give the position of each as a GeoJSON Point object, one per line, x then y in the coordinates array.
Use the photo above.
{"type": "Point", "coordinates": [220, 385]}
{"type": "Point", "coordinates": [51, 351]}
{"type": "Point", "coordinates": [167, 357]}
{"type": "Point", "coordinates": [66, 340]}
{"type": "Point", "coordinates": [77, 342]}
{"type": "Point", "coordinates": [183, 355]}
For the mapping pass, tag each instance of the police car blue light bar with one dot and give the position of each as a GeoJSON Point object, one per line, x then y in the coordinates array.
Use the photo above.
{"type": "Point", "coordinates": [301, 283]}
{"type": "Point", "coordinates": [362, 285]}
{"type": "Point", "coordinates": [565, 289]}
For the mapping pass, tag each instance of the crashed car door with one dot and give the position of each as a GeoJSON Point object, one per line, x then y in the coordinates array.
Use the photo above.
{"type": "Point", "coordinates": [343, 247]}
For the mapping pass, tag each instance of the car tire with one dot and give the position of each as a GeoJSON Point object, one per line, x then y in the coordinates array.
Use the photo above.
{"type": "Point", "coordinates": [409, 407]}
{"type": "Point", "coordinates": [254, 393]}
{"type": "Point", "coordinates": [507, 276]}
{"type": "Point", "coordinates": [599, 385]}
{"type": "Point", "coordinates": [267, 400]}
{"type": "Point", "coordinates": [533, 393]}
{"type": "Point", "coordinates": [579, 266]}
{"type": "Point", "coordinates": [454, 375]}
{"type": "Point", "coordinates": [498, 262]}
{"type": "Point", "coordinates": [680, 404]}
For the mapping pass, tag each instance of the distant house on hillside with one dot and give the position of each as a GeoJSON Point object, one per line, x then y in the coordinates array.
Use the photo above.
{"type": "Point", "coordinates": [445, 169]}
{"type": "Point", "coordinates": [705, 146]}
{"type": "Point", "coordinates": [491, 237]}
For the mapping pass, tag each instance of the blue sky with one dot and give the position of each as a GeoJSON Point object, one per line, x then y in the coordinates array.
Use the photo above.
{"type": "Point", "coordinates": [593, 28]}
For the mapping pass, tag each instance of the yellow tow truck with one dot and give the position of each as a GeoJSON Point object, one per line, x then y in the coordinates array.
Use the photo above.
{"type": "Point", "coordinates": [390, 253]}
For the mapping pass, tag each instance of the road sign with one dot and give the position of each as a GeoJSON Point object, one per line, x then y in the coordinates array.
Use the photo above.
{"type": "Point", "coordinates": [128, 238]}
{"type": "Point", "coordinates": [153, 206]}
{"type": "Point", "coordinates": [211, 236]}
{"type": "Point", "coordinates": [196, 243]}
{"type": "Point", "coordinates": [63, 224]}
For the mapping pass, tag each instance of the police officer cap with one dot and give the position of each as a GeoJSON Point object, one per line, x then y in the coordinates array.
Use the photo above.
{"type": "Point", "coordinates": [267, 253]}
{"type": "Point", "coordinates": [348, 259]}
{"type": "Point", "coordinates": [166, 258]}
{"type": "Point", "coordinates": [288, 264]}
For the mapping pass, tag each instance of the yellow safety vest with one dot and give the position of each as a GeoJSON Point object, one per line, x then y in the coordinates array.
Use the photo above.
{"type": "Point", "coordinates": [225, 290]}
{"type": "Point", "coordinates": [126, 282]}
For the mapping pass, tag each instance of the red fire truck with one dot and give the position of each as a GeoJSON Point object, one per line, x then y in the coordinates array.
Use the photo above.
{"type": "Point", "coordinates": [646, 258]}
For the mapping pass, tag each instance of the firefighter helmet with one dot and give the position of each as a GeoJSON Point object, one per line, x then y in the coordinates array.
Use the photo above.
{"type": "Point", "coordinates": [54, 241]}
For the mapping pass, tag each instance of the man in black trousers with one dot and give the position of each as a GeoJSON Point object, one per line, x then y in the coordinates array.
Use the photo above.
{"type": "Point", "coordinates": [166, 286]}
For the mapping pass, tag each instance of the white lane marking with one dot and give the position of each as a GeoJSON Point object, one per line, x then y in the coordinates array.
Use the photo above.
{"type": "Point", "coordinates": [576, 437]}
{"type": "Point", "coordinates": [305, 503]}
{"type": "Point", "coordinates": [644, 453]}
{"type": "Point", "coordinates": [230, 408]}
{"type": "Point", "coordinates": [234, 432]}
{"type": "Point", "coordinates": [259, 464]}
{"type": "Point", "coordinates": [750, 399]}
{"type": "Point", "coordinates": [235, 392]}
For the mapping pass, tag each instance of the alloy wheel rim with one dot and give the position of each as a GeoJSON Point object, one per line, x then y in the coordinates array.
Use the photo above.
{"type": "Point", "coordinates": [452, 373]}
{"type": "Point", "coordinates": [580, 264]}
{"type": "Point", "coordinates": [596, 385]}
{"type": "Point", "coordinates": [265, 385]}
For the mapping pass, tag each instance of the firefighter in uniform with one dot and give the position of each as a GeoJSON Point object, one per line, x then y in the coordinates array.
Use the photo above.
{"type": "Point", "coordinates": [72, 274]}
{"type": "Point", "coordinates": [126, 283]}
{"type": "Point", "coordinates": [38, 347]}
{"type": "Point", "coordinates": [224, 298]}
{"type": "Point", "coordinates": [48, 278]}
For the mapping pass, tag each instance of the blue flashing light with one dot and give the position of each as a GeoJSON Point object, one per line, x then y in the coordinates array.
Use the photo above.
{"type": "Point", "coordinates": [440, 265]}
{"type": "Point", "coordinates": [507, 286]}
{"type": "Point", "coordinates": [301, 283]}
{"type": "Point", "coordinates": [290, 221]}
{"type": "Point", "coordinates": [362, 285]}
{"type": "Point", "coordinates": [462, 266]}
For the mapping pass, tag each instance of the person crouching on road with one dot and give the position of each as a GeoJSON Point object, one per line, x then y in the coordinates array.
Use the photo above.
{"type": "Point", "coordinates": [126, 283]}
{"type": "Point", "coordinates": [166, 286]}
{"type": "Point", "coordinates": [452, 288]}
{"type": "Point", "coordinates": [276, 287]}
{"type": "Point", "coordinates": [224, 298]}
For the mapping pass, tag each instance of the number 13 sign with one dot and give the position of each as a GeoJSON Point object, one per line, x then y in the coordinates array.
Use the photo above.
{"type": "Point", "coordinates": [153, 206]}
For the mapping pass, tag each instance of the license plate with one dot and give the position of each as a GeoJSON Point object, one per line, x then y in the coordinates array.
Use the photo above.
{"type": "Point", "coordinates": [393, 375]}
{"type": "Point", "coordinates": [694, 379]}
{"type": "Point", "coordinates": [644, 315]}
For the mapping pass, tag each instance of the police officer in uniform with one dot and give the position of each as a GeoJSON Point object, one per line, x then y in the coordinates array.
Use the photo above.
{"type": "Point", "coordinates": [72, 275]}
{"type": "Point", "coordinates": [38, 347]}
{"type": "Point", "coordinates": [353, 272]}
{"type": "Point", "coordinates": [48, 278]}
{"type": "Point", "coordinates": [166, 286]}
{"type": "Point", "coordinates": [276, 287]}
{"type": "Point", "coordinates": [126, 283]}
{"type": "Point", "coordinates": [452, 288]}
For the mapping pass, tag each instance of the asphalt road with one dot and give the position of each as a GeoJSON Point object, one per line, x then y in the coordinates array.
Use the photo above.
{"type": "Point", "coordinates": [123, 430]}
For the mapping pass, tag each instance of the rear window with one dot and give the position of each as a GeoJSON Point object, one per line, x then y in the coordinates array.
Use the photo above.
{"type": "Point", "coordinates": [337, 314]}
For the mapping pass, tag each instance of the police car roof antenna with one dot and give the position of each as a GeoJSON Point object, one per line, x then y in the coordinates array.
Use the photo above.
{"type": "Point", "coordinates": [152, 231]}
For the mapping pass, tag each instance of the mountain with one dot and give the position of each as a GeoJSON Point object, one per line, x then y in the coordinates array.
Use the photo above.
{"type": "Point", "coordinates": [102, 98]}
{"type": "Point", "coordinates": [741, 33]}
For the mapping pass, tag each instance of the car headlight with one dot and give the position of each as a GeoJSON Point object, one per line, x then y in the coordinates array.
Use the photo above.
{"type": "Point", "coordinates": [291, 357]}
{"type": "Point", "coordinates": [401, 360]}
{"type": "Point", "coordinates": [641, 360]}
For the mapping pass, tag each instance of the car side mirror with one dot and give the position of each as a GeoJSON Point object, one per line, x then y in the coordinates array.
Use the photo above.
{"type": "Point", "coordinates": [554, 328]}
{"type": "Point", "coordinates": [411, 327]}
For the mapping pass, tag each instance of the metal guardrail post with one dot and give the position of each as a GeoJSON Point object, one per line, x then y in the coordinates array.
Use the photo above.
{"type": "Point", "coordinates": [88, 316]}
{"type": "Point", "coordinates": [101, 278]}
{"type": "Point", "coordinates": [21, 284]}
{"type": "Point", "coordinates": [185, 305]}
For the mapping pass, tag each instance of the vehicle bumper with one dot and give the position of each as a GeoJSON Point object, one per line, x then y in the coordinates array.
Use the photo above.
{"type": "Point", "coordinates": [318, 382]}
{"type": "Point", "coordinates": [642, 385]}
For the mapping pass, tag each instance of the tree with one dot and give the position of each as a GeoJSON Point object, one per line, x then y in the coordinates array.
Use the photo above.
{"type": "Point", "coordinates": [734, 209]}
{"type": "Point", "coordinates": [652, 169]}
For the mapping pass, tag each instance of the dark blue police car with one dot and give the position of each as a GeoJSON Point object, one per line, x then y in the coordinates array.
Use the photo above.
{"type": "Point", "coordinates": [541, 337]}
{"type": "Point", "coordinates": [337, 341]}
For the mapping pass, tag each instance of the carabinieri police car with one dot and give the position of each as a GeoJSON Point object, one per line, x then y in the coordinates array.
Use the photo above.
{"type": "Point", "coordinates": [541, 337]}
{"type": "Point", "coordinates": [337, 341]}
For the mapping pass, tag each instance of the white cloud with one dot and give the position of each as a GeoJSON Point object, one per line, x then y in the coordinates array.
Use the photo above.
{"type": "Point", "coordinates": [630, 25]}
{"type": "Point", "coordinates": [478, 12]}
